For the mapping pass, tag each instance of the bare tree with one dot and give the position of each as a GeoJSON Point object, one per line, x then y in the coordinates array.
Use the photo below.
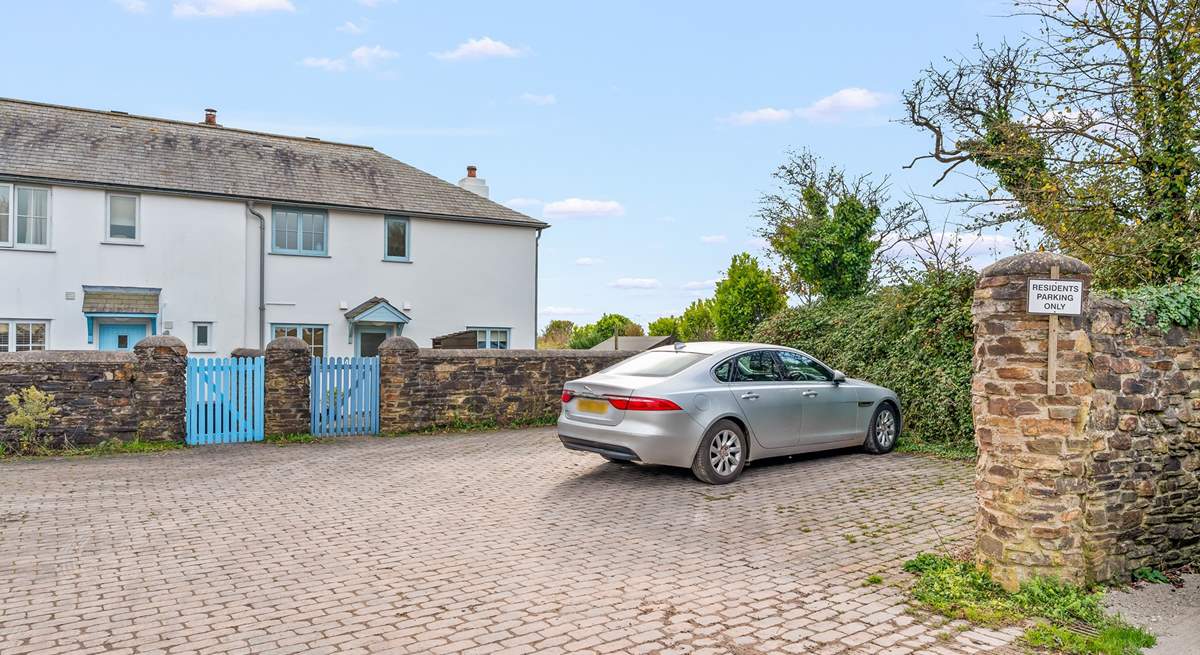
{"type": "Point", "coordinates": [1089, 129]}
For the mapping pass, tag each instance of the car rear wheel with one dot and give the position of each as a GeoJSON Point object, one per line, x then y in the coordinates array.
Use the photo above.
{"type": "Point", "coordinates": [722, 454]}
{"type": "Point", "coordinates": [884, 430]}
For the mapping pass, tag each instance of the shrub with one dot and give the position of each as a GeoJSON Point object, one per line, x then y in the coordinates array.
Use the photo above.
{"type": "Point", "coordinates": [744, 298]}
{"type": "Point", "coordinates": [32, 411]}
{"type": "Point", "coordinates": [915, 339]}
{"type": "Point", "coordinates": [586, 336]}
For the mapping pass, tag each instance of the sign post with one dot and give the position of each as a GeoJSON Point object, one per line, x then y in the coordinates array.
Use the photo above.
{"type": "Point", "coordinates": [1057, 298]}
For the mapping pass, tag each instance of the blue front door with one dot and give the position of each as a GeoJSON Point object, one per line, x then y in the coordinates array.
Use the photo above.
{"type": "Point", "coordinates": [121, 336]}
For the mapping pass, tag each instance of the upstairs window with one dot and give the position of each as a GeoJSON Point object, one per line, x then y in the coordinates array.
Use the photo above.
{"type": "Point", "coordinates": [122, 218]}
{"type": "Point", "coordinates": [396, 237]}
{"type": "Point", "coordinates": [24, 216]}
{"type": "Point", "coordinates": [299, 231]}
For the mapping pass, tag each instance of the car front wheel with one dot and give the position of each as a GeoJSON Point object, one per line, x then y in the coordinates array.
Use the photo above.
{"type": "Point", "coordinates": [884, 430]}
{"type": "Point", "coordinates": [722, 454]}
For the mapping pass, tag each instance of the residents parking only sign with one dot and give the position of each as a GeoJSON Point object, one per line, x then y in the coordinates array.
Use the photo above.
{"type": "Point", "coordinates": [1059, 297]}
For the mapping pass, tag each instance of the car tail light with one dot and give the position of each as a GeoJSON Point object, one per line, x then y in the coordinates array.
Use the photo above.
{"type": "Point", "coordinates": [639, 404]}
{"type": "Point", "coordinates": [567, 395]}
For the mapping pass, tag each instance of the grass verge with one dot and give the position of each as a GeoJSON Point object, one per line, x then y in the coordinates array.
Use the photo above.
{"type": "Point", "coordinates": [112, 446]}
{"type": "Point", "coordinates": [1070, 618]}
{"type": "Point", "coordinates": [957, 452]}
{"type": "Point", "coordinates": [290, 439]}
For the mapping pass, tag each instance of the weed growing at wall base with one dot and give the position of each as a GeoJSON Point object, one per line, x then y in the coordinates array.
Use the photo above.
{"type": "Point", "coordinates": [1070, 619]}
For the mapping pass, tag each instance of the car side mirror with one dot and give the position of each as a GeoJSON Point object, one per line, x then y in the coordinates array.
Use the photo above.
{"type": "Point", "coordinates": [839, 377]}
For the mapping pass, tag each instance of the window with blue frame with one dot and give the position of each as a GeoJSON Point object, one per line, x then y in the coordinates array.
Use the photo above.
{"type": "Point", "coordinates": [313, 335]}
{"type": "Point", "coordinates": [298, 231]}
{"type": "Point", "coordinates": [491, 337]}
{"type": "Point", "coordinates": [397, 239]}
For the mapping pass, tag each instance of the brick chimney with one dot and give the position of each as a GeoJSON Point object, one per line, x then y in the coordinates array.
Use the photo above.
{"type": "Point", "coordinates": [476, 185]}
{"type": "Point", "coordinates": [210, 116]}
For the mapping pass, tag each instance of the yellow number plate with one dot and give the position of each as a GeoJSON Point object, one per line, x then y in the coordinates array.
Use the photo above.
{"type": "Point", "coordinates": [592, 406]}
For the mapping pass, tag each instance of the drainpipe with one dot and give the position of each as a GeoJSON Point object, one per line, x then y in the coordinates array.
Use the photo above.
{"type": "Point", "coordinates": [536, 245]}
{"type": "Point", "coordinates": [262, 274]}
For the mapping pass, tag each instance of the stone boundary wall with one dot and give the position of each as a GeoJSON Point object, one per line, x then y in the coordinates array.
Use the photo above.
{"type": "Point", "coordinates": [1096, 477]}
{"type": "Point", "coordinates": [104, 395]}
{"type": "Point", "coordinates": [423, 387]}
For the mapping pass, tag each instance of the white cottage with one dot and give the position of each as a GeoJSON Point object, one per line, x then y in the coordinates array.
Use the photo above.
{"type": "Point", "coordinates": [114, 227]}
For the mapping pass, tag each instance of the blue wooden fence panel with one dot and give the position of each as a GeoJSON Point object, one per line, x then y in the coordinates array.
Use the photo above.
{"type": "Point", "coordinates": [345, 395]}
{"type": "Point", "coordinates": [224, 400]}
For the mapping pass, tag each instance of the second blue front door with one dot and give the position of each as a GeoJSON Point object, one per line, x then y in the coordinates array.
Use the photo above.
{"type": "Point", "coordinates": [121, 336]}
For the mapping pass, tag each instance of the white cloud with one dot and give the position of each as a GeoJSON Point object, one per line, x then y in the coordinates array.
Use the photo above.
{"type": "Point", "coordinates": [368, 56]}
{"type": "Point", "coordinates": [350, 27]}
{"type": "Point", "coordinates": [834, 107]}
{"type": "Point", "coordinates": [325, 64]}
{"type": "Point", "coordinates": [554, 310]}
{"type": "Point", "coordinates": [635, 283]}
{"type": "Point", "coordinates": [538, 99]}
{"type": "Point", "coordinates": [132, 6]}
{"type": "Point", "coordinates": [482, 48]}
{"type": "Point", "coordinates": [219, 8]}
{"type": "Point", "coordinates": [831, 108]}
{"type": "Point", "coordinates": [703, 285]}
{"type": "Point", "coordinates": [362, 56]}
{"type": "Point", "coordinates": [764, 115]}
{"type": "Point", "coordinates": [588, 261]}
{"type": "Point", "coordinates": [579, 207]}
{"type": "Point", "coordinates": [713, 238]}
{"type": "Point", "coordinates": [523, 203]}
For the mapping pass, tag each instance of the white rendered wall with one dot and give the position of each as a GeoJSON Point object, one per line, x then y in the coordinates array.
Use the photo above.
{"type": "Point", "coordinates": [190, 248]}
{"type": "Point", "coordinates": [203, 254]}
{"type": "Point", "coordinates": [461, 274]}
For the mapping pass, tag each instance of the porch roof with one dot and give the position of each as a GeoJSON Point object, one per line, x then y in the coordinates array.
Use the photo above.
{"type": "Point", "coordinates": [376, 310]}
{"type": "Point", "coordinates": [120, 300]}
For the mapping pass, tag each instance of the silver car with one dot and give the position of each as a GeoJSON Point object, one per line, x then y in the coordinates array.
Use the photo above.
{"type": "Point", "coordinates": [713, 406]}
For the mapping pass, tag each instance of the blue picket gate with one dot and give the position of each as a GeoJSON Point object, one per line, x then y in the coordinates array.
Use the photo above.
{"type": "Point", "coordinates": [345, 395]}
{"type": "Point", "coordinates": [224, 400]}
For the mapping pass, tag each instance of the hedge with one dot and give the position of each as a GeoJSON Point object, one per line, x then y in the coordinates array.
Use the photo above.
{"type": "Point", "coordinates": [914, 339]}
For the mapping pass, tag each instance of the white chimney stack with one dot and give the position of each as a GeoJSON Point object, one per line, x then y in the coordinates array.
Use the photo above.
{"type": "Point", "coordinates": [476, 185]}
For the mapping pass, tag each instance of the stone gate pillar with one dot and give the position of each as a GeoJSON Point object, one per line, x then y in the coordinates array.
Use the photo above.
{"type": "Point", "coordinates": [160, 388]}
{"type": "Point", "coordinates": [395, 405]}
{"type": "Point", "coordinates": [286, 402]}
{"type": "Point", "coordinates": [1033, 471]}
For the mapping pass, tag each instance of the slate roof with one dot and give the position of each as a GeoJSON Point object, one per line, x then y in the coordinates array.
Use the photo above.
{"type": "Point", "coordinates": [56, 143]}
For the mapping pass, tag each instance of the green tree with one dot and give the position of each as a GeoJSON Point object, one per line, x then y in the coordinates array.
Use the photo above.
{"type": "Point", "coordinates": [747, 296]}
{"type": "Point", "coordinates": [586, 336]}
{"type": "Point", "coordinates": [666, 326]}
{"type": "Point", "coordinates": [826, 228]}
{"type": "Point", "coordinates": [1089, 130]}
{"type": "Point", "coordinates": [556, 334]}
{"type": "Point", "coordinates": [696, 323]}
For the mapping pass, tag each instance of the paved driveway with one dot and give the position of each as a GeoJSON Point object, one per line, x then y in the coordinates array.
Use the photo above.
{"type": "Point", "coordinates": [500, 542]}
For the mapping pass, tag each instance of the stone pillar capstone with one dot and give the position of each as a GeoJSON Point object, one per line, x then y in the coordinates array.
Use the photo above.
{"type": "Point", "coordinates": [286, 402]}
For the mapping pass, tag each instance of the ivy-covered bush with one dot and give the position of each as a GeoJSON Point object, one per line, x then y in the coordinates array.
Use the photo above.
{"type": "Point", "coordinates": [914, 339]}
{"type": "Point", "coordinates": [1174, 303]}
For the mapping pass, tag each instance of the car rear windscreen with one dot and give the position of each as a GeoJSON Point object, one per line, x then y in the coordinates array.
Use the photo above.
{"type": "Point", "coordinates": [656, 364]}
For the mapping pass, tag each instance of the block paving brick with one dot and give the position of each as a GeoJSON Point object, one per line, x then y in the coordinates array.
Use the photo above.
{"type": "Point", "coordinates": [501, 542]}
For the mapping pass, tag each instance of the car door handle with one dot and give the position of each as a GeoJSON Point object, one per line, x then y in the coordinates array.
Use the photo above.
{"type": "Point", "coordinates": [809, 394]}
{"type": "Point", "coordinates": [750, 396]}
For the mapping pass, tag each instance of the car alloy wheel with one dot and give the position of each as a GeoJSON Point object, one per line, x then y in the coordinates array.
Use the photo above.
{"type": "Point", "coordinates": [725, 452]}
{"type": "Point", "coordinates": [885, 429]}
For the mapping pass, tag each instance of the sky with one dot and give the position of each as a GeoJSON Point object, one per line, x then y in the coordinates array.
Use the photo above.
{"type": "Point", "coordinates": [645, 133]}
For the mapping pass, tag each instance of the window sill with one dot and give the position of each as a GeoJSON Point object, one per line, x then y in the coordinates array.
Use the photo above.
{"type": "Point", "coordinates": [398, 260]}
{"type": "Point", "coordinates": [115, 242]}
{"type": "Point", "coordinates": [23, 249]}
{"type": "Point", "coordinates": [298, 254]}
{"type": "Point", "coordinates": [203, 351]}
